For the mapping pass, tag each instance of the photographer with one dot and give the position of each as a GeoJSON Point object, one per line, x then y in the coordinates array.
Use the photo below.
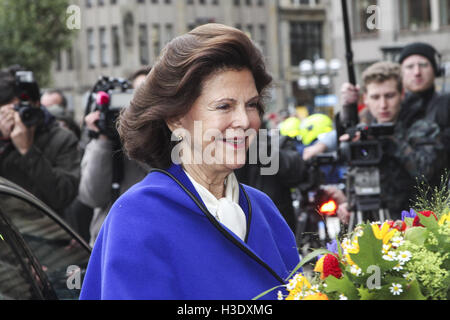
{"type": "Point", "coordinates": [97, 168]}
{"type": "Point", "coordinates": [35, 152]}
{"type": "Point", "coordinates": [410, 153]}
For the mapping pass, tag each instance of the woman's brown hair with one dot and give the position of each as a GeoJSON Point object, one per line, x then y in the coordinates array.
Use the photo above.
{"type": "Point", "coordinates": [175, 83]}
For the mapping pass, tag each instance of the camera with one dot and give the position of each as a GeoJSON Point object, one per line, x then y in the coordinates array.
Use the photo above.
{"type": "Point", "coordinates": [27, 90]}
{"type": "Point", "coordinates": [368, 150]}
{"type": "Point", "coordinates": [363, 176]}
{"type": "Point", "coordinates": [109, 96]}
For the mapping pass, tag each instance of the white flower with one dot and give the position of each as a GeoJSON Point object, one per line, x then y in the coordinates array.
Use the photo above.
{"type": "Point", "coordinates": [386, 248]}
{"type": "Point", "coordinates": [359, 232]}
{"type": "Point", "coordinates": [390, 256]}
{"type": "Point", "coordinates": [315, 288]}
{"type": "Point", "coordinates": [397, 241]}
{"type": "Point", "coordinates": [408, 276]}
{"type": "Point", "coordinates": [398, 267]}
{"type": "Point", "coordinates": [280, 295]}
{"type": "Point", "coordinates": [404, 256]}
{"type": "Point", "coordinates": [346, 243]}
{"type": "Point", "coordinates": [354, 269]}
{"type": "Point", "coordinates": [292, 284]}
{"type": "Point", "coordinates": [342, 297]}
{"type": "Point", "coordinates": [396, 289]}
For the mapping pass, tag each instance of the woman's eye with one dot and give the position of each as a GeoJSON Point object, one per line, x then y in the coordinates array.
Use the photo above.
{"type": "Point", "coordinates": [223, 107]}
{"type": "Point", "coordinates": [253, 105]}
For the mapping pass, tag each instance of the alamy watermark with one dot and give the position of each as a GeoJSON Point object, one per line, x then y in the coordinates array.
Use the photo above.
{"type": "Point", "coordinates": [374, 20]}
{"type": "Point", "coordinates": [212, 147]}
{"type": "Point", "coordinates": [73, 14]}
{"type": "Point", "coordinates": [73, 274]}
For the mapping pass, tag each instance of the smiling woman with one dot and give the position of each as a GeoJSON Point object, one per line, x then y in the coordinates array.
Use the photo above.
{"type": "Point", "coordinates": [189, 230]}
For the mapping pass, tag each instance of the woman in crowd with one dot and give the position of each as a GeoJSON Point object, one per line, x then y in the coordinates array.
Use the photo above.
{"type": "Point", "coordinates": [189, 230]}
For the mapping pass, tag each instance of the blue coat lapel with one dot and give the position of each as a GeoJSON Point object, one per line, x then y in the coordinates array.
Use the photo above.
{"type": "Point", "coordinates": [177, 172]}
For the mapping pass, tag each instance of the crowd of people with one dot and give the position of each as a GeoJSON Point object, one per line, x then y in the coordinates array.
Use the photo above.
{"type": "Point", "coordinates": [209, 229]}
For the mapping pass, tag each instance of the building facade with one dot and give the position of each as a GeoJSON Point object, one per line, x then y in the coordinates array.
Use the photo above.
{"type": "Point", "coordinates": [380, 28]}
{"type": "Point", "coordinates": [117, 37]}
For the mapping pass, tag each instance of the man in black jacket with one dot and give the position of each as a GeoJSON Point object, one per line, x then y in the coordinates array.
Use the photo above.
{"type": "Point", "coordinates": [420, 67]}
{"type": "Point", "coordinates": [291, 171]}
{"type": "Point", "coordinates": [35, 152]}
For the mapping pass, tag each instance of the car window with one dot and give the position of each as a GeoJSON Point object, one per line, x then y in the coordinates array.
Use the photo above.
{"type": "Point", "coordinates": [15, 276]}
{"type": "Point", "coordinates": [63, 258]}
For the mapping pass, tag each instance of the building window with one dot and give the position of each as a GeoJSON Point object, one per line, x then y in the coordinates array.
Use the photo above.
{"type": "Point", "coordinates": [237, 2]}
{"type": "Point", "coordinates": [262, 38]}
{"type": "Point", "coordinates": [88, 3]}
{"type": "Point", "coordinates": [156, 40]}
{"type": "Point", "coordinates": [169, 32]}
{"type": "Point", "coordinates": [103, 47]}
{"type": "Point", "coordinates": [249, 31]}
{"type": "Point", "coordinates": [361, 19]}
{"type": "Point", "coordinates": [91, 48]}
{"type": "Point", "coordinates": [305, 41]}
{"type": "Point", "coordinates": [415, 14]}
{"type": "Point", "coordinates": [143, 45]}
{"type": "Point", "coordinates": [115, 45]}
{"type": "Point", "coordinates": [445, 12]}
{"type": "Point", "coordinates": [69, 55]}
{"type": "Point", "coordinates": [58, 61]}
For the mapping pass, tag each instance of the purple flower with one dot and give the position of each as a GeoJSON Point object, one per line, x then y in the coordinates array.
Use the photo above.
{"type": "Point", "coordinates": [332, 247]}
{"type": "Point", "coordinates": [411, 214]}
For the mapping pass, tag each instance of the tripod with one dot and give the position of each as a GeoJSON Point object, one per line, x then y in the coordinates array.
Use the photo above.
{"type": "Point", "coordinates": [363, 192]}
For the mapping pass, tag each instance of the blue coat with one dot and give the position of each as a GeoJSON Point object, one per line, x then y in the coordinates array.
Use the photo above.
{"type": "Point", "coordinates": [160, 242]}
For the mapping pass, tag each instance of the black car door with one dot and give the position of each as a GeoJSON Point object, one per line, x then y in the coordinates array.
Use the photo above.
{"type": "Point", "coordinates": [58, 255]}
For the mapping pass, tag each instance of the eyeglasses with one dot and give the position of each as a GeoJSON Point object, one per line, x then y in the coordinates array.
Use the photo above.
{"type": "Point", "coordinates": [421, 65]}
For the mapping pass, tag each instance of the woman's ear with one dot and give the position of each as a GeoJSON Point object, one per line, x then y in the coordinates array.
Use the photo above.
{"type": "Point", "coordinates": [174, 124]}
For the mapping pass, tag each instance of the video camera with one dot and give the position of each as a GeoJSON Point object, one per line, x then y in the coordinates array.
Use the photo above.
{"type": "Point", "coordinates": [27, 90]}
{"type": "Point", "coordinates": [368, 150]}
{"type": "Point", "coordinates": [109, 96]}
{"type": "Point", "coordinates": [363, 158]}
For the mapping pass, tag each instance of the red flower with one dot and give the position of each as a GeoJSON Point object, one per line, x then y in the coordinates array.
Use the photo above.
{"type": "Point", "coordinates": [416, 222]}
{"type": "Point", "coordinates": [398, 224]}
{"type": "Point", "coordinates": [331, 267]}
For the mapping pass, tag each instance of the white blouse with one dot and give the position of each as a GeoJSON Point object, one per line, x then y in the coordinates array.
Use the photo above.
{"type": "Point", "coordinates": [226, 210]}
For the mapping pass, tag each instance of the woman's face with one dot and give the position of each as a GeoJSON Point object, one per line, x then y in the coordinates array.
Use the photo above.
{"type": "Point", "coordinates": [223, 121]}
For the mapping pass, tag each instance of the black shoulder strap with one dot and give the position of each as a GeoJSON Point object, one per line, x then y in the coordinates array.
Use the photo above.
{"type": "Point", "coordinates": [220, 228]}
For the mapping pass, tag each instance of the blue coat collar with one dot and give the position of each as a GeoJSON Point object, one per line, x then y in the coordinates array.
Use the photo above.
{"type": "Point", "coordinates": [177, 172]}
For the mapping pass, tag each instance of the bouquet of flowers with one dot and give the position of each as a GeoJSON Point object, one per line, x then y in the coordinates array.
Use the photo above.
{"type": "Point", "coordinates": [407, 259]}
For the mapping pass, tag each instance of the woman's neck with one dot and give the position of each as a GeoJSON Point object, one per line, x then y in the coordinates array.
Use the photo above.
{"type": "Point", "coordinates": [213, 182]}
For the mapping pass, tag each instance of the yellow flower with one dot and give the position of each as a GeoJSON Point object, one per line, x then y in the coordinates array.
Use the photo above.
{"type": "Point", "coordinates": [349, 260]}
{"type": "Point", "coordinates": [316, 296]}
{"type": "Point", "coordinates": [354, 248]}
{"type": "Point", "coordinates": [383, 233]}
{"type": "Point", "coordinates": [444, 218]}
{"type": "Point", "coordinates": [319, 265]}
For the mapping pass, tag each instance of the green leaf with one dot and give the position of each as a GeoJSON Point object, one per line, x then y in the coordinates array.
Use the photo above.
{"type": "Point", "coordinates": [416, 235]}
{"type": "Point", "coordinates": [306, 259]}
{"type": "Point", "coordinates": [409, 222]}
{"type": "Point", "coordinates": [429, 222]}
{"type": "Point", "coordinates": [411, 291]}
{"type": "Point", "coordinates": [266, 292]}
{"type": "Point", "coordinates": [342, 285]}
{"type": "Point", "coordinates": [370, 252]}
